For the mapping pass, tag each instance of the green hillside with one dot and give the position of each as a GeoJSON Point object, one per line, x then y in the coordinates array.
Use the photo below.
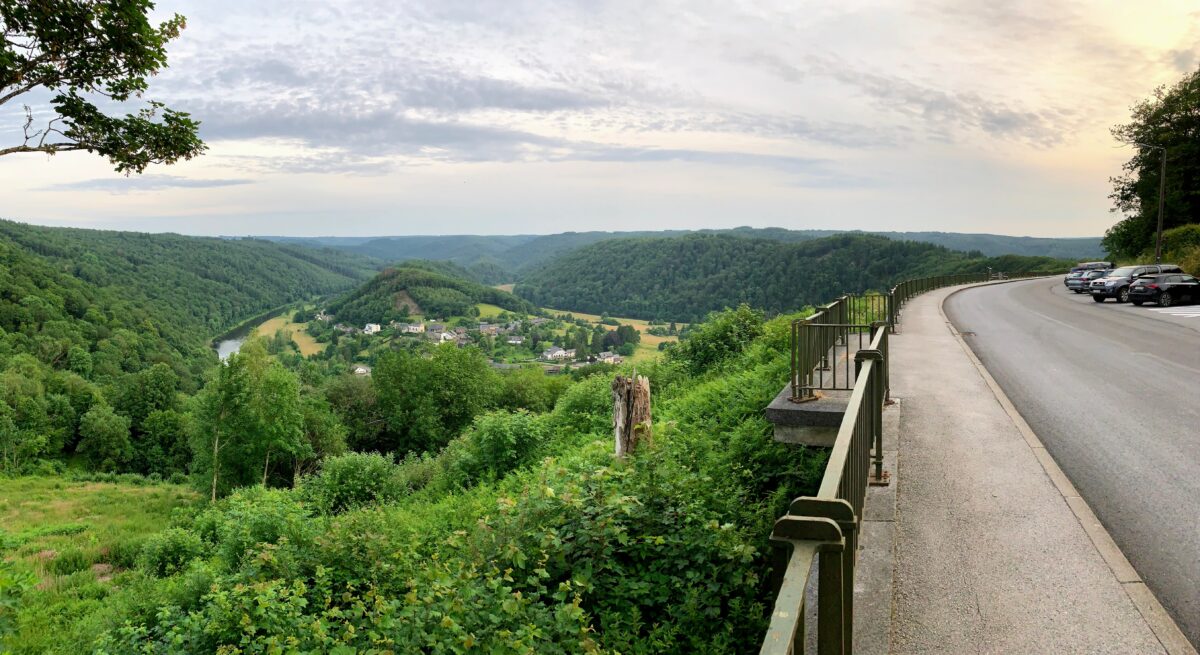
{"type": "Point", "coordinates": [108, 303]}
{"type": "Point", "coordinates": [392, 294]}
{"type": "Point", "coordinates": [507, 258]}
{"type": "Point", "coordinates": [685, 278]}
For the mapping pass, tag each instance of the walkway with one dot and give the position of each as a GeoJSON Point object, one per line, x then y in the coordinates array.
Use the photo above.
{"type": "Point", "coordinates": [991, 556]}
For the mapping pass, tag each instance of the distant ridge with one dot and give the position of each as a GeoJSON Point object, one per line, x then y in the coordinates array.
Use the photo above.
{"type": "Point", "coordinates": [508, 258]}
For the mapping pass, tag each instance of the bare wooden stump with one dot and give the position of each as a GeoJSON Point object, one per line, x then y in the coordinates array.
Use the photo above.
{"type": "Point", "coordinates": [631, 412]}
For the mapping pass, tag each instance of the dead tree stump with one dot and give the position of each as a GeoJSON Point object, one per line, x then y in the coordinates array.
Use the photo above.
{"type": "Point", "coordinates": [631, 412]}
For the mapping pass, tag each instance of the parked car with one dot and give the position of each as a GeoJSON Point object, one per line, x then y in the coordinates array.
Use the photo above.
{"type": "Point", "coordinates": [1093, 266]}
{"type": "Point", "coordinates": [1082, 283]}
{"type": "Point", "coordinates": [1165, 289]}
{"type": "Point", "coordinates": [1072, 276]}
{"type": "Point", "coordinates": [1116, 283]}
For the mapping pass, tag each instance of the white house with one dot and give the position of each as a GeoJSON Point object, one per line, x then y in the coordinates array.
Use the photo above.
{"type": "Point", "coordinates": [609, 357]}
{"type": "Point", "coordinates": [445, 337]}
{"type": "Point", "coordinates": [558, 354]}
{"type": "Point", "coordinates": [372, 328]}
{"type": "Point", "coordinates": [516, 340]}
{"type": "Point", "coordinates": [414, 328]}
{"type": "Point", "coordinates": [362, 369]}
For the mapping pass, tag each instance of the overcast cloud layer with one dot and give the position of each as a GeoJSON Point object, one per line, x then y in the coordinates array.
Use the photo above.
{"type": "Point", "coordinates": [444, 116]}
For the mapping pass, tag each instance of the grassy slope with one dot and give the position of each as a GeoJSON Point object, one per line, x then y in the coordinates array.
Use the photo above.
{"type": "Point", "coordinates": [303, 340]}
{"type": "Point", "coordinates": [77, 538]}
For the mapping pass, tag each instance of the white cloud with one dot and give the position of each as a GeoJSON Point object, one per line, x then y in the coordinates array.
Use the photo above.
{"type": "Point", "coordinates": [801, 114]}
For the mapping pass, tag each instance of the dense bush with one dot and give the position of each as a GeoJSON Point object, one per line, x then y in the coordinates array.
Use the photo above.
{"type": "Point", "coordinates": [253, 516]}
{"type": "Point", "coordinates": [720, 337]}
{"type": "Point", "coordinates": [169, 552]}
{"type": "Point", "coordinates": [499, 442]}
{"type": "Point", "coordinates": [349, 481]}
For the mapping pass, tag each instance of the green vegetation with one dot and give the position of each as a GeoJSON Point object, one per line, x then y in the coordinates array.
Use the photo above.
{"type": "Point", "coordinates": [101, 333]}
{"type": "Point", "coordinates": [77, 50]}
{"type": "Point", "coordinates": [1169, 120]}
{"type": "Point", "coordinates": [392, 294]}
{"type": "Point", "coordinates": [684, 278]}
{"type": "Point", "coordinates": [66, 544]}
{"type": "Point", "coordinates": [520, 534]}
{"type": "Point", "coordinates": [495, 259]}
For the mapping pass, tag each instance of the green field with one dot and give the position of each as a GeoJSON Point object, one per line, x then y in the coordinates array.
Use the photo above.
{"type": "Point", "coordinates": [76, 540]}
{"type": "Point", "coordinates": [487, 311]}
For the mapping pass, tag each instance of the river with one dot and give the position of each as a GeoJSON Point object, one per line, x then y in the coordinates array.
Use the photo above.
{"type": "Point", "coordinates": [230, 342]}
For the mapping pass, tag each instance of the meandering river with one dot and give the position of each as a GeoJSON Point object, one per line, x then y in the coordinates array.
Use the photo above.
{"type": "Point", "coordinates": [230, 342]}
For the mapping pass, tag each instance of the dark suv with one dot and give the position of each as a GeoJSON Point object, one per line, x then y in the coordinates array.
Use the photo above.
{"type": "Point", "coordinates": [1116, 283]}
{"type": "Point", "coordinates": [1165, 290]}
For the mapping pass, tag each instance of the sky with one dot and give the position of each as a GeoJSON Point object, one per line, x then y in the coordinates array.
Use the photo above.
{"type": "Point", "coordinates": [389, 117]}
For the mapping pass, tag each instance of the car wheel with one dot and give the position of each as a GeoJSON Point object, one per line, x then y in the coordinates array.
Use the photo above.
{"type": "Point", "coordinates": [1098, 298]}
{"type": "Point", "coordinates": [1123, 295]}
{"type": "Point", "coordinates": [1165, 299]}
{"type": "Point", "coordinates": [1138, 302]}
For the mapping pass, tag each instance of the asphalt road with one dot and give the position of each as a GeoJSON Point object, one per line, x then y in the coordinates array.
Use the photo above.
{"type": "Point", "coordinates": [1113, 391]}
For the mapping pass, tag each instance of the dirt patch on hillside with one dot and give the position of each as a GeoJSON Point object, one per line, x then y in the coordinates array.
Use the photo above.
{"type": "Point", "coordinates": [404, 300]}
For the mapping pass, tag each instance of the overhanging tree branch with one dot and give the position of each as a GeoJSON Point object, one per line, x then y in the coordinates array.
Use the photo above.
{"type": "Point", "coordinates": [81, 49]}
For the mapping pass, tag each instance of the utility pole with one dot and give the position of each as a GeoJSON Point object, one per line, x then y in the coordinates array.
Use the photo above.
{"type": "Point", "coordinates": [1162, 196]}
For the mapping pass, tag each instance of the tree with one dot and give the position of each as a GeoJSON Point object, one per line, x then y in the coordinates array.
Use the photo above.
{"type": "Point", "coordinates": [147, 391]}
{"type": "Point", "coordinates": [160, 447]}
{"type": "Point", "coordinates": [353, 400]}
{"type": "Point", "coordinates": [427, 402]}
{"type": "Point", "coordinates": [104, 438]}
{"type": "Point", "coordinates": [222, 418]}
{"type": "Point", "coordinates": [89, 51]}
{"type": "Point", "coordinates": [278, 420]}
{"type": "Point", "coordinates": [245, 415]}
{"type": "Point", "coordinates": [324, 436]}
{"type": "Point", "coordinates": [1169, 119]}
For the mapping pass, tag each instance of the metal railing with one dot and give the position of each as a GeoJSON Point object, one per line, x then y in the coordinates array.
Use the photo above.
{"type": "Point", "coordinates": [825, 527]}
{"type": "Point", "coordinates": [821, 344]}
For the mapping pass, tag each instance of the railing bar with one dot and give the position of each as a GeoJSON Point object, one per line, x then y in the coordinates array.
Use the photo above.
{"type": "Point", "coordinates": [788, 614]}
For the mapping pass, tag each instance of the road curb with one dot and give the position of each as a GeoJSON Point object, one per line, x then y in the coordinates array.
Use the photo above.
{"type": "Point", "coordinates": [1153, 613]}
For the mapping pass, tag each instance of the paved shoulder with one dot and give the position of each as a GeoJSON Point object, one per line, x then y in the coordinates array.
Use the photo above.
{"type": "Point", "coordinates": [1111, 392]}
{"type": "Point", "coordinates": [989, 556]}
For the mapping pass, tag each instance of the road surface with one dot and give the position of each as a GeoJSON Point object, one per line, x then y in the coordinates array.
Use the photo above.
{"type": "Point", "coordinates": [1113, 391]}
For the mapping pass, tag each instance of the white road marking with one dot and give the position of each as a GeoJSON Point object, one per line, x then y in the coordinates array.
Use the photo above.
{"type": "Point", "coordinates": [1185, 312]}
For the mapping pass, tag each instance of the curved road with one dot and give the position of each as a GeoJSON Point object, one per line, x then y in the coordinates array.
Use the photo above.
{"type": "Point", "coordinates": [1113, 391]}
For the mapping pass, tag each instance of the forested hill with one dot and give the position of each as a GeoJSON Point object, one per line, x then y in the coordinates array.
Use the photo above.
{"type": "Point", "coordinates": [508, 258]}
{"type": "Point", "coordinates": [684, 278]}
{"type": "Point", "coordinates": [427, 288]}
{"type": "Point", "coordinates": [108, 303]}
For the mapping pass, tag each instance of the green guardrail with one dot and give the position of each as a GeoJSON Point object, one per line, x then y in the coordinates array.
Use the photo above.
{"type": "Point", "coordinates": [825, 528]}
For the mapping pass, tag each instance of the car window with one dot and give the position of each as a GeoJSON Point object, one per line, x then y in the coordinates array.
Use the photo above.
{"type": "Point", "coordinates": [1123, 272]}
{"type": "Point", "coordinates": [1187, 278]}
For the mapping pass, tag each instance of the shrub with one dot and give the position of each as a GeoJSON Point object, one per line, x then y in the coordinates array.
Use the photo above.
{"type": "Point", "coordinates": [253, 516]}
{"type": "Point", "coordinates": [1184, 237]}
{"type": "Point", "coordinates": [351, 480]}
{"type": "Point", "coordinates": [69, 561]}
{"type": "Point", "coordinates": [123, 552]}
{"type": "Point", "coordinates": [169, 552]}
{"type": "Point", "coordinates": [177, 478]}
{"type": "Point", "coordinates": [586, 407]}
{"type": "Point", "coordinates": [499, 442]}
{"type": "Point", "coordinates": [721, 336]}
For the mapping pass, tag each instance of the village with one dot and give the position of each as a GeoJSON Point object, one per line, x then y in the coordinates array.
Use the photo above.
{"type": "Point", "coordinates": [558, 344]}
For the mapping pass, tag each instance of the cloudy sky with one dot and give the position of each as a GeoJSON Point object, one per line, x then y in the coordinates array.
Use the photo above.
{"type": "Point", "coordinates": [445, 117]}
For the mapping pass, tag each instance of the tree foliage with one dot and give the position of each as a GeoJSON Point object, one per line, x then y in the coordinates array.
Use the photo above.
{"type": "Point", "coordinates": [93, 56]}
{"type": "Point", "coordinates": [1169, 119]}
{"type": "Point", "coordinates": [684, 278]}
{"type": "Point", "coordinates": [385, 297]}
